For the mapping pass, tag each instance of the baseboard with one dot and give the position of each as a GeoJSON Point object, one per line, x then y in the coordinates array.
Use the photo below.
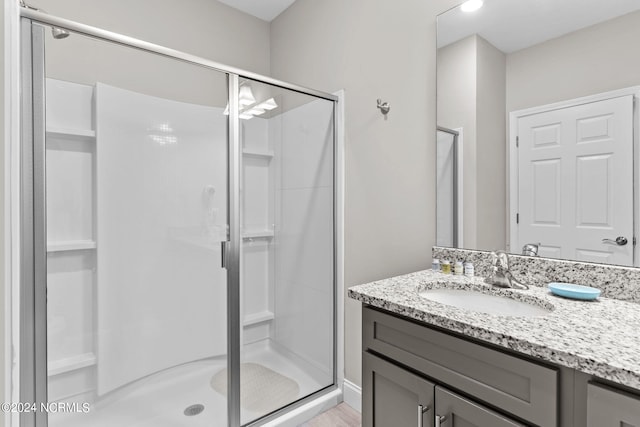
{"type": "Point", "coordinates": [352, 395]}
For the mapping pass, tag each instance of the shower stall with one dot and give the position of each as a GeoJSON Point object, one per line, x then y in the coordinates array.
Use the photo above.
{"type": "Point", "coordinates": [178, 236]}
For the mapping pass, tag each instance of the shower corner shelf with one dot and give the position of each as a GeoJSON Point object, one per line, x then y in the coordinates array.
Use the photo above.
{"type": "Point", "coordinates": [71, 245]}
{"type": "Point", "coordinates": [268, 155]}
{"type": "Point", "coordinates": [257, 234]}
{"type": "Point", "coordinates": [253, 319]}
{"type": "Point", "coordinates": [71, 133]}
{"type": "Point", "coordinates": [71, 364]}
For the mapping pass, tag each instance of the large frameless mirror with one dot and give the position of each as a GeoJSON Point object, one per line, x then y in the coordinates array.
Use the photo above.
{"type": "Point", "coordinates": [544, 93]}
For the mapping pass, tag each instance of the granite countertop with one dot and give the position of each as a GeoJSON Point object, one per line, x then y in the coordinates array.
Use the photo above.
{"type": "Point", "coordinates": [600, 337]}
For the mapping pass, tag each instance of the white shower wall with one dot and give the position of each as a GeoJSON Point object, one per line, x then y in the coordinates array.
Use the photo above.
{"type": "Point", "coordinates": [257, 229]}
{"type": "Point", "coordinates": [161, 209]}
{"type": "Point", "coordinates": [71, 257]}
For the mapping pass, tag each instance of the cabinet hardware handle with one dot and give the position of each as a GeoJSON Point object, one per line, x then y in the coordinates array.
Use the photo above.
{"type": "Point", "coordinates": [440, 419]}
{"type": "Point", "coordinates": [421, 411]}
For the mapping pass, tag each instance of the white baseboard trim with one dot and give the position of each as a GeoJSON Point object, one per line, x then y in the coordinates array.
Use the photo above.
{"type": "Point", "coordinates": [352, 395]}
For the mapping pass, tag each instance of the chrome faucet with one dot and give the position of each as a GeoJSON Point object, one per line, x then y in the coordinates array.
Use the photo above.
{"type": "Point", "coordinates": [500, 275]}
{"type": "Point", "coordinates": [531, 249]}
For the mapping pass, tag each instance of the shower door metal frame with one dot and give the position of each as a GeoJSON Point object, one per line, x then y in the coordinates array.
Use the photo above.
{"type": "Point", "coordinates": [456, 220]}
{"type": "Point", "coordinates": [33, 268]}
{"type": "Point", "coordinates": [33, 256]}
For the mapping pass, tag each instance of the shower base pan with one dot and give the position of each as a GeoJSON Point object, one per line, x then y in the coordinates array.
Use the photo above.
{"type": "Point", "coordinates": [184, 395]}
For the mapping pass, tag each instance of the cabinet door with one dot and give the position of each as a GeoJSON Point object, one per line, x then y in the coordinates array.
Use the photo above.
{"type": "Point", "coordinates": [456, 411]}
{"type": "Point", "coordinates": [610, 408]}
{"type": "Point", "coordinates": [393, 396]}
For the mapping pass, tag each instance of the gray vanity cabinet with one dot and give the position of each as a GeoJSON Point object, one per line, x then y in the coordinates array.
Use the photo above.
{"type": "Point", "coordinates": [607, 407]}
{"type": "Point", "coordinates": [394, 396]}
{"type": "Point", "coordinates": [494, 379]}
{"type": "Point", "coordinates": [456, 411]}
{"type": "Point", "coordinates": [526, 390]}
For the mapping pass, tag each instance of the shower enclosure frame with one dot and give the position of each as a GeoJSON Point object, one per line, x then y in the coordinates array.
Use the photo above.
{"type": "Point", "coordinates": [32, 370]}
{"type": "Point", "coordinates": [456, 236]}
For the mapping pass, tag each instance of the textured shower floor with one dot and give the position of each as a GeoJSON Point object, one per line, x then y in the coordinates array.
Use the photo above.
{"type": "Point", "coordinates": [160, 400]}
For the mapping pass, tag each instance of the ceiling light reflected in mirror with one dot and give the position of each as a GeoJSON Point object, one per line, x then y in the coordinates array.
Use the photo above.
{"type": "Point", "coordinates": [471, 5]}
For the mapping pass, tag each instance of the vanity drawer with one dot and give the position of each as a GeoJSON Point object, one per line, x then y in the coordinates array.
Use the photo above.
{"type": "Point", "coordinates": [520, 387]}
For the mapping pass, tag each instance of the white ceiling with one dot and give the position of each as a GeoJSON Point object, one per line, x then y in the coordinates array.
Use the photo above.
{"type": "Point", "coordinates": [267, 10]}
{"type": "Point", "coordinates": [511, 25]}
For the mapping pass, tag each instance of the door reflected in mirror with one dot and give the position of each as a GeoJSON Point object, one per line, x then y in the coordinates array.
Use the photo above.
{"type": "Point", "coordinates": [544, 93]}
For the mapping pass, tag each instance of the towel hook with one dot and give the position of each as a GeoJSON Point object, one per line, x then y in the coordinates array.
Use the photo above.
{"type": "Point", "coordinates": [384, 107]}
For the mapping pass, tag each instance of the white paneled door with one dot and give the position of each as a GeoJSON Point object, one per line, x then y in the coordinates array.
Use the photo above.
{"type": "Point", "coordinates": [575, 181]}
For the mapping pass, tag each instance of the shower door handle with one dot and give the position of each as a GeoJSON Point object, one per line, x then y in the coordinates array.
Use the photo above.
{"type": "Point", "coordinates": [223, 255]}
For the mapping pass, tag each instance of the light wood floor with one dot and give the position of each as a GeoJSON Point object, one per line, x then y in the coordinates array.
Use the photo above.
{"type": "Point", "coordinates": [340, 416]}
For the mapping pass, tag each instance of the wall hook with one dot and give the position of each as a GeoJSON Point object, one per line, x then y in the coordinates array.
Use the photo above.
{"type": "Point", "coordinates": [384, 107]}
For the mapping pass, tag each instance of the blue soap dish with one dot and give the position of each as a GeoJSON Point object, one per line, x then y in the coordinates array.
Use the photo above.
{"type": "Point", "coordinates": [570, 290]}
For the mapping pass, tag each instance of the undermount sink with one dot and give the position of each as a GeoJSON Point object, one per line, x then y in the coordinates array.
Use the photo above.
{"type": "Point", "coordinates": [484, 303]}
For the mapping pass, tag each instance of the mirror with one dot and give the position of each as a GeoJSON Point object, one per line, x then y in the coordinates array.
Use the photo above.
{"type": "Point", "coordinates": [537, 128]}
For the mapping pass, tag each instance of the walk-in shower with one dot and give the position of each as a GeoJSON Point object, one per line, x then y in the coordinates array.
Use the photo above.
{"type": "Point", "coordinates": [178, 236]}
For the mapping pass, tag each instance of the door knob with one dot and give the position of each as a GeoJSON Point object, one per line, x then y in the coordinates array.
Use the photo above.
{"type": "Point", "coordinates": [620, 241]}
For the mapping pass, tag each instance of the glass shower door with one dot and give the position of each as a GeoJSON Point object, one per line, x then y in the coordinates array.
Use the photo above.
{"type": "Point", "coordinates": [287, 257]}
{"type": "Point", "coordinates": [136, 210]}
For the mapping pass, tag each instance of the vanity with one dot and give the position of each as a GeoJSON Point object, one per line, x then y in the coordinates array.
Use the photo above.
{"type": "Point", "coordinates": [442, 350]}
{"type": "Point", "coordinates": [426, 363]}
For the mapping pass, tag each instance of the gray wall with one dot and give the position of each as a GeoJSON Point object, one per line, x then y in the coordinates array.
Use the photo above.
{"type": "Point", "coordinates": [203, 27]}
{"type": "Point", "coordinates": [491, 147]}
{"type": "Point", "coordinates": [457, 75]}
{"type": "Point", "coordinates": [471, 96]}
{"type": "Point", "coordinates": [373, 49]}
{"type": "Point", "coordinates": [589, 61]}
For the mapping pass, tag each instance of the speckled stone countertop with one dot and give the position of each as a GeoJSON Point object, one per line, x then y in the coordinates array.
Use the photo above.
{"type": "Point", "coordinates": [614, 281]}
{"type": "Point", "coordinates": [600, 338]}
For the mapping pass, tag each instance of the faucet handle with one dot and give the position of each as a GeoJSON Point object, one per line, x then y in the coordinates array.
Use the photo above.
{"type": "Point", "coordinates": [494, 258]}
{"type": "Point", "coordinates": [502, 260]}
{"type": "Point", "coordinates": [531, 249]}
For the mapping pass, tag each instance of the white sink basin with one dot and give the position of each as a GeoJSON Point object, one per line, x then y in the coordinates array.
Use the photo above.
{"type": "Point", "coordinates": [483, 303]}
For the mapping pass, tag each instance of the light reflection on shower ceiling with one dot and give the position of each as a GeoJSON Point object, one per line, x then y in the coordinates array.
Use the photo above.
{"type": "Point", "coordinates": [249, 108]}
